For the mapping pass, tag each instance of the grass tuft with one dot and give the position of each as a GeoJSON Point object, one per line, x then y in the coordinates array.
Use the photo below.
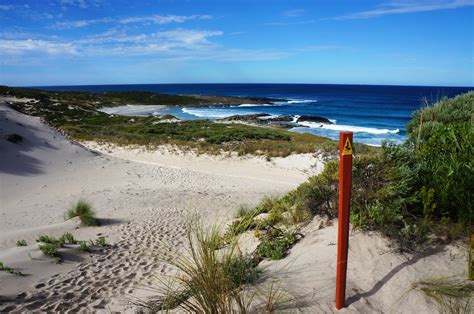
{"type": "Point", "coordinates": [242, 211]}
{"type": "Point", "coordinates": [452, 296]}
{"type": "Point", "coordinates": [85, 212]}
{"type": "Point", "coordinates": [209, 278]}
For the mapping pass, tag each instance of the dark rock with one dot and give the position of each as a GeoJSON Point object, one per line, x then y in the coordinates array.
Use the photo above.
{"type": "Point", "coordinates": [247, 118]}
{"type": "Point", "coordinates": [265, 99]}
{"type": "Point", "coordinates": [282, 125]}
{"type": "Point", "coordinates": [282, 119]}
{"type": "Point", "coordinates": [316, 119]}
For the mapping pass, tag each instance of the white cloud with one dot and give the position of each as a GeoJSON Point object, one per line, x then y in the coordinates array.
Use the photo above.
{"type": "Point", "coordinates": [6, 7]}
{"type": "Point", "coordinates": [178, 37]}
{"type": "Point", "coordinates": [83, 4]}
{"type": "Point", "coordinates": [188, 37]}
{"type": "Point", "coordinates": [305, 22]}
{"type": "Point", "coordinates": [25, 35]}
{"type": "Point", "coordinates": [163, 19]}
{"type": "Point", "coordinates": [152, 19]}
{"type": "Point", "coordinates": [294, 13]}
{"type": "Point", "coordinates": [404, 7]}
{"type": "Point", "coordinates": [111, 42]}
{"type": "Point", "coordinates": [81, 23]}
{"type": "Point", "coordinates": [171, 42]}
{"type": "Point", "coordinates": [23, 46]}
{"type": "Point", "coordinates": [176, 44]}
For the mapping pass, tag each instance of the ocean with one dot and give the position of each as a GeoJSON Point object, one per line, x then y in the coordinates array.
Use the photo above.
{"type": "Point", "coordinates": [375, 113]}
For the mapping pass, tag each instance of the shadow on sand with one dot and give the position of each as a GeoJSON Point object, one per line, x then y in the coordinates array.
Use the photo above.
{"type": "Point", "coordinates": [15, 156]}
{"type": "Point", "coordinates": [380, 283]}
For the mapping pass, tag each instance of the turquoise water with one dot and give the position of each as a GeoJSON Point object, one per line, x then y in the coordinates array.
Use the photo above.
{"type": "Point", "coordinates": [374, 113]}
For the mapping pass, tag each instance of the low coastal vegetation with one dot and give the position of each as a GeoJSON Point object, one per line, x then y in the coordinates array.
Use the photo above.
{"type": "Point", "coordinates": [413, 192]}
{"type": "Point", "coordinates": [85, 212]}
{"type": "Point", "coordinates": [10, 270]}
{"type": "Point", "coordinates": [21, 243]}
{"type": "Point", "coordinates": [50, 245]}
{"type": "Point", "coordinates": [76, 114]}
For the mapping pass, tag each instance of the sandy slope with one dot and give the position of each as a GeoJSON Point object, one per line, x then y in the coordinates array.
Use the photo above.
{"type": "Point", "coordinates": [141, 202]}
{"type": "Point", "coordinates": [380, 279]}
{"type": "Point", "coordinates": [142, 197]}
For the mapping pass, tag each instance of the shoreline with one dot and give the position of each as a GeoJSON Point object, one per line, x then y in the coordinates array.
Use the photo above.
{"type": "Point", "coordinates": [81, 106]}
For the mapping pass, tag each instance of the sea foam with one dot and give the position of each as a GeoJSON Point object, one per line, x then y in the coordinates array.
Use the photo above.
{"type": "Point", "coordinates": [214, 112]}
{"type": "Point", "coordinates": [351, 128]}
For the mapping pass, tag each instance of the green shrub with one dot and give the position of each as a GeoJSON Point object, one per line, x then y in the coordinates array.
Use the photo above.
{"type": "Point", "coordinates": [406, 191]}
{"type": "Point", "coordinates": [84, 246]}
{"type": "Point", "coordinates": [50, 240]}
{"type": "Point", "coordinates": [21, 243]}
{"type": "Point", "coordinates": [443, 137]}
{"type": "Point", "coordinates": [84, 211]}
{"type": "Point", "coordinates": [100, 241]}
{"type": "Point", "coordinates": [277, 247]}
{"type": "Point", "coordinates": [49, 249]}
{"type": "Point", "coordinates": [68, 238]}
{"type": "Point", "coordinates": [241, 270]}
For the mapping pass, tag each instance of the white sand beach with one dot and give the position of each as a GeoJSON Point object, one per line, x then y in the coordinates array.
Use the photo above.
{"type": "Point", "coordinates": [143, 197]}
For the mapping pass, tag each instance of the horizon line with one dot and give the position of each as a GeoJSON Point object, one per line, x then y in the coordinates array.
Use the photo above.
{"type": "Point", "coordinates": [352, 84]}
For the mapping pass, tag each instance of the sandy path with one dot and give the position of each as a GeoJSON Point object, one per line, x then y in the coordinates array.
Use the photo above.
{"type": "Point", "coordinates": [141, 203]}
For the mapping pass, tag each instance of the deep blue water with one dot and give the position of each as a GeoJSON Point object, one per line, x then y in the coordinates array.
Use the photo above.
{"type": "Point", "coordinates": [374, 113]}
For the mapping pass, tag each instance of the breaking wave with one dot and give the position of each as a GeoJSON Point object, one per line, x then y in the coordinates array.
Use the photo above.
{"type": "Point", "coordinates": [351, 128]}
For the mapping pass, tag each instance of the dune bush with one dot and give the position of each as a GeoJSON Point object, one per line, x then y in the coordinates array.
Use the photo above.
{"type": "Point", "coordinates": [21, 242]}
{"type": "Point", "coordinates": [49, 249]}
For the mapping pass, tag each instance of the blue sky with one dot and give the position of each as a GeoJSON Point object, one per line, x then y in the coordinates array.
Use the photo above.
{"type": "Point", "coordinates": [74, 42]}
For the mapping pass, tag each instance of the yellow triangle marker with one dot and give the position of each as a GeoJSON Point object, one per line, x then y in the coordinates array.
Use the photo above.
{"type": "Point", "coordinates": [347, 148]}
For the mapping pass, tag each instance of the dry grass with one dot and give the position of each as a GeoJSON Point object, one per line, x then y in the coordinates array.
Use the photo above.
{"type": "Point", "coordinates": [209, 278]}
{"type": "Point", "coordinates": [452, 296]}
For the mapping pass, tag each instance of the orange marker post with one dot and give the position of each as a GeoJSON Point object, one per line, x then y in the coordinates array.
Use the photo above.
{"type": "Point", "coordinates": [345, 176]}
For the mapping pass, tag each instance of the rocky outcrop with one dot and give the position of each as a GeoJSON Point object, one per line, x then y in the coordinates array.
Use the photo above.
{"type": "Point", "coordinates": [248, 118]}
{"type": "Point", "coordinates": [281, 122]}
{"type": "Point", "coordinates": [316, 119]}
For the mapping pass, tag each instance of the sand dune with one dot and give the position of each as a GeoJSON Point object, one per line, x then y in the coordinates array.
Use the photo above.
{"type": "Point", "coordinates": [142, 198]}
{"type": "Point", "coordinates": [142, 203]}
